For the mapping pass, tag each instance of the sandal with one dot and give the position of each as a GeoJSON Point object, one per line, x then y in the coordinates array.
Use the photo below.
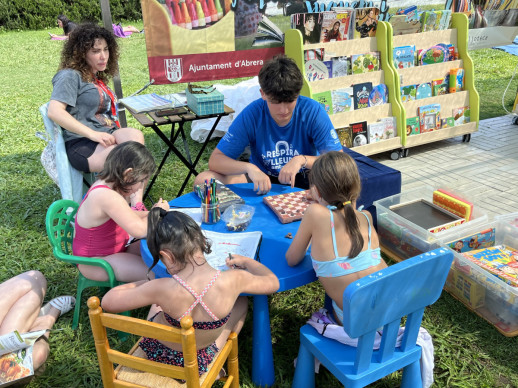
{"type": "Point", "coordinates": [63, 303]}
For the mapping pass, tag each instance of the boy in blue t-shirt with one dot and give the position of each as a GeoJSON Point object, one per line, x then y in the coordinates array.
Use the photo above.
{"type": "Point", "coordinates": [285, 132]}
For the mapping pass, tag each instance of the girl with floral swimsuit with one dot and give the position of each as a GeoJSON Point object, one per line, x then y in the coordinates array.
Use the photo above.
{"type": "Point", "coordinates": [211, 297]}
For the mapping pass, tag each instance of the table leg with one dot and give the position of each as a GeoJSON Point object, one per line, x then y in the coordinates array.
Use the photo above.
{"type": "Point", "coordinates": [262, 352]}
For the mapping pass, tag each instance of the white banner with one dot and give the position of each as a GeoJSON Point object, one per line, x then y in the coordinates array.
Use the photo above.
{"type": "Point", "coordinates": [479, 38]}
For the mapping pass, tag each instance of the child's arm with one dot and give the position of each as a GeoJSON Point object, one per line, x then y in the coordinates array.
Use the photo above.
{"type": "Point", "coordinates": [302, 239]}
{"type": "Point", "coordinates": [116, 207]}
{"type": "Point", "coordinates": [252, 277]}
{"type": "Point", "coordinates": [131, 296]}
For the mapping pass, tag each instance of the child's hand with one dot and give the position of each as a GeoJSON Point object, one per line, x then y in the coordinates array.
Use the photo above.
{"type": "Point", "coordinates": [237, 261]}
{"type": "Point", "coordinates": [162, 204]}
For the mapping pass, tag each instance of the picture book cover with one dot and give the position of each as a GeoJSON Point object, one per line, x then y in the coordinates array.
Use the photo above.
{"type": "Point", "coordinates": [375, 131]}
{"type": "Point", "coordinates": [404, 56]}
{"type": "Point", "coordinates": [359, 133]}
{"type": "Point", "coordinates": [439, 87]}
{"type": "Point", "coordinates": [314, 54]}
{"type": "Point", "coordinates": [342, 100]}
{"type": "Point", "coordinates": [341, 66]}
{"type": "Point", "coordinates": [453, 203]}
{"type": "Point", "coordinates": [428, 20]}
{"type": "Point", "coordinates": [361, 93]}
{"type": "Point", "coordinates": [402, 25]}
{"type": "Point", "coordinates": [423, 90]}
{"type": "Point", "coordinates": [408, 93]}
{"type": "Point", "coordinates": [329, 65]}
{"type": "Point", "coordinates": [366, 22]}
{"type": "Point", "coordinates": [409, 12]}
{"type": "Point", "coordinates": [412, 126]}
{"type": "Point", "coordinates": [335, 25]}
{"type": "Point", "coordinates": [456, 80]}
{"type": "Point", "coordinates": [433, 55]}
{"type": "Point", "coordinates": [390, 129]}
{"type": "Point", "coordinates": [325, 99]}
{"type": "Point", "coordinates": [483, 239]}
{"type": "Point", "coordinates": [316, 70]}
{"type": "Point", "coordinates": [378, 95]}
{"type": "Point", "coordinates": [445, 20]}
{"type": "Point", "coordinates": [450, 122]}
{"type": "Point", "coordinates": [345, 135]}
{"type": "Point", "coordinates": [500, 260]}
{"type": "Point", "coordinates": [309, 25]}
{"type": "Point", "coordinates": [364, 63]}
{"type": "Point", "coordinates": [461, 115]}
{"type": "Point", "coordinates": [429, 117]}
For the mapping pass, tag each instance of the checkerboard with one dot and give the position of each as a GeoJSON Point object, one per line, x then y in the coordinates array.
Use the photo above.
{"type": "Point", "coordinates": [288, 207]}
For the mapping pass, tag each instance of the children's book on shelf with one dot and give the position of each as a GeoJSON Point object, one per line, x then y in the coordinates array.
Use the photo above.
{"type": "Point", "coordinates": [428, 21]}
{"type": "Point", "coordinates": [364, 63]}
{"type": "Point", "coordinates": [361, 93]}
{"type": "Point", "coordinates": [329, 65]}
{"type": "Point", "coordinates": [152, 102]}
{"type": "Point", "coordinates": [483, 239]}
{"type": "Point", "coordinates": [317, 54]}
{"type": "Point", "coordinates": [500, 260]}
{"type": "Point", "coordinates": [335, 25]}
{"type": "Point", "coordinates": [325, 99]}
{"type": "Point", "coordinates": [299, 21]}
{"type": "Point", "coordinates": [408, 93]}
{"type": "Point", "coordinates": [429, 117]}
{"type": "Point", "coordinates": [404, 56]}
{"type": "Point", "coordinates": [456, 80]}
{"type": "Point", "coordinates": [342, 100]}
{"type": "Point", "coordinates": [445, 20]}
{"type": "Point", "coordinates": [461, 115]}
{"type": "Point", "coordinates": [267, 33]}
{"type": "Point", "coordinates": [450, 122]}
{"type": "Point", "coordinates": [366, 22]}
{"type": "Point", "coordinates": [341, 66]}
{"type": "Point", "coordinates": [316, 70]}
{"type": "Point", "coordinates": [375, 131]}
{"type": "Point", "coordinates": [345, 135]}
{"type": "Point", "coordinates": [401, 25]}
{"type": "Point", "coordinates": [435, 54]}
{"type": "Point", "coordinates": [423, 90]}
{"type": "Point", "coordinates": [412, 126]}
{"type": "Point", "coordinates": [378, 95]}
{"type": "Point", "coordinates": [409, 12]}
{"type": "Point", "coordinates": [243, 243]}
{"type": "Point", "coordinates": [439, 87]}
{"type": "Point", "coordinates": [360, 134]}
{"type": "Point", "coordinates": [389, 124]}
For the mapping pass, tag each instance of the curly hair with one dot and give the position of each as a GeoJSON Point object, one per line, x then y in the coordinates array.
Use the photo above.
{"type": "Point", "coordinates": [82, 39]}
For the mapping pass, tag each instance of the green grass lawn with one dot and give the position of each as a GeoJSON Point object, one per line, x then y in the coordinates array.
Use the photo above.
{"type": "Point", "coordinates": [469, 352]}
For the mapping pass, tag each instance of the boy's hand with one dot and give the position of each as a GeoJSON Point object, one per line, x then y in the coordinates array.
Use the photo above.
{"type": "Point", "coordinates": [262, 183]}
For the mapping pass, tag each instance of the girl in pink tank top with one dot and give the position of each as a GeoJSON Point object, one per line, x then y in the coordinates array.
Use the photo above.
{"type": "Point", "coordinates": [211, 297]}
{"type": "Point", "coordinates": [105, 220]}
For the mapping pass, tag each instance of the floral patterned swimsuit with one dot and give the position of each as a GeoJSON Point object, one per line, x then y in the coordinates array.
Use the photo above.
{"type": "Point", "coordinates": [156, 351]}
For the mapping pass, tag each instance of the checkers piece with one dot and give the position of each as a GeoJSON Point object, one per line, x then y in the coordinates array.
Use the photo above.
{"type": "Point", "coordinates": [289, 207]}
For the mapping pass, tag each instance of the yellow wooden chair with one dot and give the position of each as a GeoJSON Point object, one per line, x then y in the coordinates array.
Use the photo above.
{"type": "Point", "coordinates": [135, 370]}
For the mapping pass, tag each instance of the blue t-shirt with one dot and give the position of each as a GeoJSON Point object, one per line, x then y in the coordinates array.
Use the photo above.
{"type": "Point", "coordinates": [309, 132]}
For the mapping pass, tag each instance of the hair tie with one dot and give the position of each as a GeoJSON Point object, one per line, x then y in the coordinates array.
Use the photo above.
{"type": "Point", "coordinates": [346, 203]}
{"type": "Point", "coordinates": [163, 212]}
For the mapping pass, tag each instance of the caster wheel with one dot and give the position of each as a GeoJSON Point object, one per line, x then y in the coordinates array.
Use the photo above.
{"type": "Point", "coordinates": [405, 152]}
{"type": "Point", "coordinates": [515, 120]}
{"type": "Point", "coordinates": [394, 155]}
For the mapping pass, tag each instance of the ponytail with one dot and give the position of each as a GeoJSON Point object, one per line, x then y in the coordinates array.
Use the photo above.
{"type": "Point", "coordinates": [352, 227]}
{"type": "Point", "coordinates": [153, 239]}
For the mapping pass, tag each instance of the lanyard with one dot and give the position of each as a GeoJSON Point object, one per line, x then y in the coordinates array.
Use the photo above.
{"type": "Point", "coordinates": [103, 86]}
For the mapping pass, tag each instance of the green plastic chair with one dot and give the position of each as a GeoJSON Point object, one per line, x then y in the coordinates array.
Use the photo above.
{"type": "Point", "coordinates": [59, 223]}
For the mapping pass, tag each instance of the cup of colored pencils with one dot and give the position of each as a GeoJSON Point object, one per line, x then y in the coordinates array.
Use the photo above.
{"type": "Point", "coordinates": [210, 213]}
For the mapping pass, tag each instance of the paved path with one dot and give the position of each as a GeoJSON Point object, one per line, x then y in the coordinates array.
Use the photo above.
{"type": "Point", "coordinates": [486, 168]}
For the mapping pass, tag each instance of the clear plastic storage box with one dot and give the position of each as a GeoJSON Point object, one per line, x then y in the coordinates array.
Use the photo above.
{"type": "Point", "coordinates": [481, 291]}
{"type": "Point", "coordinates": [401, 238]}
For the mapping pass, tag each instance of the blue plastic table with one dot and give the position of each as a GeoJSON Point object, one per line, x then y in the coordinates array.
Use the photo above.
{"type": "Point", "coordinates": [273, 248]}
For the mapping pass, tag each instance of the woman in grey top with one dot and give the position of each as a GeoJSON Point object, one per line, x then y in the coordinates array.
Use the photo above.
{"type": "Point", "coordinates": [81, 102]}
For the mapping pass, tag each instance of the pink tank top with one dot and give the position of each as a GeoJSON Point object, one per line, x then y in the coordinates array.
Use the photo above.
{"type": "Point", "coordinates": [102, 240]}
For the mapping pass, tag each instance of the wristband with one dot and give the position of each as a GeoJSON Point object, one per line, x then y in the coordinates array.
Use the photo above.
{"type": "Point", "coordinates": [305, 162]}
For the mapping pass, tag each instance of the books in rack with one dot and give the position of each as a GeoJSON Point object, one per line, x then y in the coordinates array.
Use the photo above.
{"type": "Point", "coordinates": [500, 260]}
{"type": "Point", "coordinates": [378, 95]}
{"type": "Point", "coordinates": [342, 100]}
{"type": "Point", "coordinates": [345, 135]}
{"type": "Point", "coordinates": [423, 90]}
{"type": "Point", "coordinates": [267, 33]}
{"type": "Point", "coordinates": [364, 63]}
{"type": "Point", "coordinates": [361, 93]}
{"type": "Point", "coordinates": [359, 133]}
{"type": "Point", "coordinates": [341, 66]}
{"type": "Point", "coordinates": [402, 25]}
{"type": "Point", "coordinates": [429, 117]}
{"type": "Point", "coordinates": [375, 131]}
{"type": "Point", "coordinates": [222, 244]}
{"type": "Point", "coordinates": [335, 25]}
{"type": "Point", "coordinates": [309, 24]}
{"type": "Point", "coordinates": [461, 115]}
{"type": "Point", "coordinates": [366, 22]}
{"type": "Point", "coordinates": [412, 126]}
{"type": "Point", "coordinates": [325, 99]}
{"type": "Point", "coordinates": [152, 102]}
{"type": "Point", "coordinates": [404, 56]}
{"type": "Point", "coordinates": [408, 93]}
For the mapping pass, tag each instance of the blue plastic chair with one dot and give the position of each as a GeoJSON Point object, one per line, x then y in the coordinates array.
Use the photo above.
{"type": "Point", "coordinates": [379, 300]}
